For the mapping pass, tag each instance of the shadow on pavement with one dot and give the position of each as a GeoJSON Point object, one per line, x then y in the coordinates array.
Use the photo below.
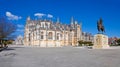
{"type": "Point", "coordinates": [17, 47]}
{"type": "Point", "coordinates": [9, 49]}
{"type": "Point", "coordinates": [3, 48]}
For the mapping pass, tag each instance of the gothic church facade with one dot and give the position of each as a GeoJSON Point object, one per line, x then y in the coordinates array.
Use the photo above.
{"type": "Point", "coordinates": [46, 33]}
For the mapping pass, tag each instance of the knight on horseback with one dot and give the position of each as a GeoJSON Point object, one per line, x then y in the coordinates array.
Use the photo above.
{"type": "Point", "coordinates": [100, 26]}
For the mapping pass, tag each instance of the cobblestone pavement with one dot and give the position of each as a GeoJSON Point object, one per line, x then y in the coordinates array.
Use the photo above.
{"type": "Point", "coordinates": [23, 56]}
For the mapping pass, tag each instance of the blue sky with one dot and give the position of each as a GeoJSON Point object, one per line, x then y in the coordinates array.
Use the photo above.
{"type": "Point", "coordinates": [85, 11]}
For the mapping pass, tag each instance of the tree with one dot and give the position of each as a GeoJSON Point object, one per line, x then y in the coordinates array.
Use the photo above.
{"type": "Point", "coordinates": [6, 29]}
{"type": "Point", "coordinates": [80, 43]}
{"type": "Point", "coordinates": [118, 41]}
{"type": "Point", "coordinates": [86, 43]}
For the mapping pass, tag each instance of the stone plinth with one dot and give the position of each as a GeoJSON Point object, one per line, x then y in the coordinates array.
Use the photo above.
{"type": "Point", "coordinates": [100, 41]}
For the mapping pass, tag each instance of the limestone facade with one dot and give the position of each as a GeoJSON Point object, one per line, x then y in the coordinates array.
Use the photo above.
{"type": "Point", "coordinates": [46, 33]}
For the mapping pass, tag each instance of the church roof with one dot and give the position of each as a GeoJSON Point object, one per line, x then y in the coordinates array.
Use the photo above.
{"type": "Point", "coordinates": [53, 25]}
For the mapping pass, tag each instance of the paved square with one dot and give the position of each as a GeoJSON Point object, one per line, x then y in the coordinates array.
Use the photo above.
{"type": "Point", "coordinates": [21, 56]}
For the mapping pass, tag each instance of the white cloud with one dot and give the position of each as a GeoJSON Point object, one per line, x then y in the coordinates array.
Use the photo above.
{"type": "Point", "coordinates": [20, 26]}
{"type": "Point", "coordinates": [50, 16]}
{"type": "Point", "coordinates": [20, 30]}
{"type": "Point", "coordinates": [12, 16]}
{"type": "Point", "coordinates": [39, 15]}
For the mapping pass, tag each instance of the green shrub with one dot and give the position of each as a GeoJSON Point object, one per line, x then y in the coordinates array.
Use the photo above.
{"type": "Point", "coordinates": [86, 43]}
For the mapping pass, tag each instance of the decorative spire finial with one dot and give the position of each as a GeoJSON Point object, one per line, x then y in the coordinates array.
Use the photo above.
{"type": "Point", "coordinates": [28, 18]}
{"type": "Point", "coordinates": [72, 20]}
{"type": "Point", "coordinates": [58, 20]}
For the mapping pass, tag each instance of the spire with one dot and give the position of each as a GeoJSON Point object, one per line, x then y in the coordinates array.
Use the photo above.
{"type": "Point", "coordinates": [81, 24]}
{"type": "Point", "coordinates": [58, 20]}
{"type": "Point", "coordinates": [72, 20]}
{"type": "Point", "coordinates": [76, 22]}
{"type": "Point", "coordinates": [28, 18]}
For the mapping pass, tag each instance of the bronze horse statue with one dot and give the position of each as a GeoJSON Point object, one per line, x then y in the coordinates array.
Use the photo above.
{"type": "Point", "coordinates": [100, 26]}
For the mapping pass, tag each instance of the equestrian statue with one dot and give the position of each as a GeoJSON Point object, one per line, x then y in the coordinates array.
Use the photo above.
{"type": "Point", "coordinates": [100, 26]}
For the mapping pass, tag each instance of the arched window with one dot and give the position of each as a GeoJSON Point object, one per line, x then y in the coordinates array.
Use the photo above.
{"type": "Point", "coordinates": [50, 35]}
{"type": "Point", "coordinates": [66, 36]}
{"type": "Point", "coordinates": [35, 35]}
{"type": "Point", "coordinates": [42, 35]}
{"type": "Point", "coordinates": [42, 24]}
{"type": "Point", "coordinates": [48, 25]}
{"type": "Point", "coordinates": [61, 36]}
{"type": "Point", "coordinates": [57, 36]}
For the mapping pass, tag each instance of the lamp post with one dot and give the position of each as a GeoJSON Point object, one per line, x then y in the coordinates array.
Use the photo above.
{"type": "Point", "coordinates": [64, 36]}
{"type": "Point", "coordinates": [29, 40]}
{"type": "Point", "coordinates": [30, 31]}
{"type": "Point", "coordinates": [55, 37]}
{"type": "Point", "coordinates": [39, 36]}
{"type": "Point", "coordinates": [46, 37]}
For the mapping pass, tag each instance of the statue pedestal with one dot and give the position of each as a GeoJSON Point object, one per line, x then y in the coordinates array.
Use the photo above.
{"type": "Point", "coordinates": [100, 41]}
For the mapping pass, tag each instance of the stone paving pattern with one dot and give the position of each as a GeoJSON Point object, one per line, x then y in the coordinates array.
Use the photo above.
{"type": "Point", "coordinates": [22, 56]}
